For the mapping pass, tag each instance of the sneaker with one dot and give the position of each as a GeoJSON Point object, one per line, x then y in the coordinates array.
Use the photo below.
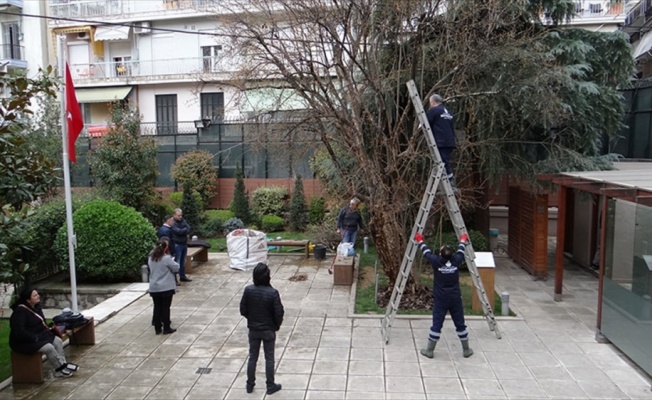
{"type": "Point", "coordinates": [72, 367]}
{"type": "Point", "coordinates": [63, 373]}
{"type": "Point", "coordinates": [274, 388]}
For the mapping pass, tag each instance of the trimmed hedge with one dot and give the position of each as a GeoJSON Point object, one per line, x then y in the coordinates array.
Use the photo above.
{"type": "Point", "coordinates": [223, 215]}
{"type": "Point", "coordinates": [112, 242]}
{"type": "Point", "coordinates": [269, 200]}
{"type": "Point", "coordinates": [272, 223]}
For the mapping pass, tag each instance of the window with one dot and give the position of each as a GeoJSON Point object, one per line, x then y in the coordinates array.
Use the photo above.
{"type": "Point", "coordinates": [595, 8]}
{"type": "Point", "coordinates": [11, 45]}
{"type": "Point", "coordinates": [578, 7]}
{"type": "Point", "coordinates": [86, 112]}
{"type": "Point", "coordinates": [166, 114]}
{"type": "Point", "coordinates": [212, 106]}
{"type": "Point", "coordinates": [210, 55]}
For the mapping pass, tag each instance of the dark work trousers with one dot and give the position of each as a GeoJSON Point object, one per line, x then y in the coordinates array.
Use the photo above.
{"type": "Point", "coordinates": [448, 303]}
{"type": "Point", "coordinates": [446, 154]}
{"type": "Point", "coordinates": [269, 340]}
{"type": "Point", "coordinates": [162, 303]}
{"type": "Point", "coordinates": [180, 253]}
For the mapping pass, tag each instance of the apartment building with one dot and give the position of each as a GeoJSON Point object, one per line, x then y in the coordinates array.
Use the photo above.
{"type": "Point", "coordinates": [163, 55]}
{"type": "Point", "coordinates": [600, 15]}
{"type": "Point", "coordinates": [637, 25]}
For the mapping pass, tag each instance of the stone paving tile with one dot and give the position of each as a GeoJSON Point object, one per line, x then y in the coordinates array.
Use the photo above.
{"type": "Point", "coordinates": [129, 392]}
{"type": "Point", "coordinates": [320, 382]}
{"type": "Point", "coordinates": [444, 386]}
{"type": "Point", "coordinates": [478, 388]}
{"type": "Point", "coordinates": [403, 384]}
{"type": "Point", "coordinates": [366, 384]}
{"type": "Point", "coordinates": [562, 389]}
{"type": "Point", "coordinates": [522, 389]}
{"type": "Point", "coordinates": [175, 392]}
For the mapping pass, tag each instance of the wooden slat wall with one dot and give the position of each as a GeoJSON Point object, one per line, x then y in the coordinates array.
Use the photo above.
{"type": "Point", "coordinates": [528, 217]}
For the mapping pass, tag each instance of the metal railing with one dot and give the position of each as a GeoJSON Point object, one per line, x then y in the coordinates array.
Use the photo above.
{"type": "Point", "coordinates": [104, 8]}
{"type": "Point", "coordinates": [12, 52]}
{"type": "Point", "coordinates": [152, 68]}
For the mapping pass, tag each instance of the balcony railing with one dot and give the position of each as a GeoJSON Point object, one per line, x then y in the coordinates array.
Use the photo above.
{"type": "Point", "coordinates": [120, 8]}
{"type": "Point", "coordinates": [152, 69]}
{"type": "Point", "coordinates": [12, 52]}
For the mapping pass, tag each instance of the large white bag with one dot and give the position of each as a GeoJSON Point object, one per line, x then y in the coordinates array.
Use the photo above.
{"type": "Point", "coordinates": [345, 249]}
{"type": "Point", "coordinates": [246, 248]}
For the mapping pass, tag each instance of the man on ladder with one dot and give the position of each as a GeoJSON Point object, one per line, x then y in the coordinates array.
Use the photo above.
{"type": "Point", "coordinates": [446, 293]}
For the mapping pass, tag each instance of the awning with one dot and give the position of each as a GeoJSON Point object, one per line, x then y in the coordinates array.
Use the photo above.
{"type": "Point", "coordinates": [643, 45]}
{"type": "Point", "coordinates": [112, 32]}
{"type": "Point", "coordinates": [72, 29]}
{"type": "Point", "coordinates": [102, 95]}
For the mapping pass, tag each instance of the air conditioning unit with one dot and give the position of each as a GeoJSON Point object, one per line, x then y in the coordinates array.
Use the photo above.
{"type": "Point", "coordinates": [83, 35]}
{"type": "Point", "coordinates": [142, 27]}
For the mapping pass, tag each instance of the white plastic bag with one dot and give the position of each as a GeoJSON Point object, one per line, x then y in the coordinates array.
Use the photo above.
{"type": "Point", "coordinates": [246, 248]}
{"type": "Point", "coordinates": [345, 250]}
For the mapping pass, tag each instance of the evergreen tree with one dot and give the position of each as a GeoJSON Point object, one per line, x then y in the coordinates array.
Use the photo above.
{"type": "Point", "coordinates": [190, 209]}
{"type": "Point", "coordinates": [298, 218]}
{"type": "Point", "coordinates": [240, 206]}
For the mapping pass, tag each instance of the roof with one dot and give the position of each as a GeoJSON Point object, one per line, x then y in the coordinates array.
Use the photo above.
{"type": "Point", "coordinates": [627, 174]}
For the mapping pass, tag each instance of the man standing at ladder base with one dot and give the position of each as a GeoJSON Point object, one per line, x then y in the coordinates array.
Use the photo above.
{"type": "Point", "coordinates": [441, 124]}
{"type": "Point", "coordinates": [447, 294]}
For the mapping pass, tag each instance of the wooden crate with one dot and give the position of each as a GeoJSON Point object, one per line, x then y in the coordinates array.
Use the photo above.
{"type": "Point", "coordinates": [343, 270]}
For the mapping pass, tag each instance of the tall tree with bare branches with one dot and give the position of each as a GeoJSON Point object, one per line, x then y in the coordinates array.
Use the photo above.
{"type": "Point", "coordinates": [528, 96]}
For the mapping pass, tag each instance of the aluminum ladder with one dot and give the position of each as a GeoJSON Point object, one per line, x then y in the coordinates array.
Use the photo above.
{"type": "Point", "coordinates": [438, 179]}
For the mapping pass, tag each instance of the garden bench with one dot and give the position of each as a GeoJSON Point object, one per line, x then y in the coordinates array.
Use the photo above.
{"type": "Point", "coordinates": [295, 243]}
{"type": "Point", "coordinates": [196, 254]}
{"type": "Point", "coordinates": [28, 368]}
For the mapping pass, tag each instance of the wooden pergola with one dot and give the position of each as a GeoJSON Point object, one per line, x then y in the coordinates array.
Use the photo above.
{"type": "Point", "coordinates": [630, 181]}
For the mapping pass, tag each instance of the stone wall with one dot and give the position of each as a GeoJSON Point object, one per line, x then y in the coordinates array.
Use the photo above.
{"type": "Point", "coordinates": [62, 298]}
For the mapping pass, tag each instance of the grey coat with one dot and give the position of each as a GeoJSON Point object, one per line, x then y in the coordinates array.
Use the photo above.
{"type": "Point", "coordinates": [161, 274]}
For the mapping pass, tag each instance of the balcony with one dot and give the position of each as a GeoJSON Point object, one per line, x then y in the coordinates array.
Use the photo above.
{"type": "Point", "coordinates": [152, 71]}
{"type": "Point", "coordinates": [122, 9]}
{"type": "Point", "coordinates": [637, 16]}
{"type": "Point", "coordinates": [11, 3]}
{"type": "Point", "coordinates": [12, 56]}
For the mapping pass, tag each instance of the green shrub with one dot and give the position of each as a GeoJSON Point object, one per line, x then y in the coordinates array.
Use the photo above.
{"type": "Point", "coordinates": [195, 170]}
{"type": "Point", "coordinates": [240, 204]}
{"type": "Point", "coordinates": [269, 200]}
{"type": "Point", "coordinates": [210, 229]}
{"type": "Point", "coordinates": [124, 164]}
{"type": "Point", "coordinates": [232, 224]}
{"type": "Point", "coordinates": [40, 230]}
{"type": "Point", "coordinates": [112, 242]}
{"type": "Point", "coordinates": [176, 198]}
{"type": "Point", "coordinates": [298, 218]}
{"type": "Point", "coordinates": [272, 223]}
{"type": "Point", "coordinates": [316, 210]}
{"type": "Point", "coordinates": [191, 211]}
{"type": "Point", "coordinates": [223, 215]}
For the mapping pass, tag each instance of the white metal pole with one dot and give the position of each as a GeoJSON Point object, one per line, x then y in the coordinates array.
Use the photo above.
{"type": "Point", "coordinates": [72, 240]}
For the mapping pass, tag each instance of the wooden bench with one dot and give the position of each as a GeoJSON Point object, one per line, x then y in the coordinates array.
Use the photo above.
{"type": "Point", "coordinates": [28, 368]}
{"type": "Point", "coordinates": [295, 243]}
{"type": "Point", "coordinates": [196, 254]}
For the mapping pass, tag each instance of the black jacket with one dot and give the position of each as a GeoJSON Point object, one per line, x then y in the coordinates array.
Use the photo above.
{"type": "Point", "coordinates": [349, 219]}
{"type": "Point", "coordinates": [441, 124]}
{"type": "Point", "coordinates": [180, 232]}
{"type": "Point", "coordinates": [28, 332]}
{"type": "Point", "coordinates": [166, 231]}
{"type": "Point", "coordinates": [262, 307]}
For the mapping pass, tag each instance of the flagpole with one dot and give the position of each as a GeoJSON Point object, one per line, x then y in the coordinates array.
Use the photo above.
{"type": "Point", "coordinates": [72, 240]}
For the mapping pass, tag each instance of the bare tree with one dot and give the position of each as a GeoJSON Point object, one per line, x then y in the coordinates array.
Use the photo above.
{"type": "Point", "coordinates": [509, 78]}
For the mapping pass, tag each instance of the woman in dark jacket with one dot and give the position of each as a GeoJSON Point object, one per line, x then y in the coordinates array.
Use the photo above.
{"type": "Point", "coordinates": [30, 334]}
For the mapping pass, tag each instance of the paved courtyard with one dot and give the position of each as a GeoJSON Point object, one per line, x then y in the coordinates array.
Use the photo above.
{"type": "Point", "coordinates": [324, 351]}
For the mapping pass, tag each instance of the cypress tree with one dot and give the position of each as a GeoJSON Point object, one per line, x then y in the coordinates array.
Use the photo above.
{"type": "Point", "coordinates": [240, 206]}
{"type": "Point", "coordinates": [298, 218]}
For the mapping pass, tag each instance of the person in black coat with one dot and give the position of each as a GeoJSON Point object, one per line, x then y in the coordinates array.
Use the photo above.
{"type": "Point", "coordinates": [442, 126]}
{"type": "Point", "coordinates": [261, 306]}
{"type": "Point", "coordinates": [180, 232]}
{"type": "Point", "coordinates": [30, 334]}
{"type": "Point", "coordinates": [165, 231]}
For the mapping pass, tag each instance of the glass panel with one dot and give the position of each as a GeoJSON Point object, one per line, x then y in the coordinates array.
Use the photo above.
{"type": "Point", "coordinates": [165, 162]}
{"type": "Point", "coordinates": [627, 290]}
{"type": "Point", "coordinates": [644, 99]}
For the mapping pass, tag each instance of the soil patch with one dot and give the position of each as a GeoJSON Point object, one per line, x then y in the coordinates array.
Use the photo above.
{"type": "Point", "coordinates": [298, 278]}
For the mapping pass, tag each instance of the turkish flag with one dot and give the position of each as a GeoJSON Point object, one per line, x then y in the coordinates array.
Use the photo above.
{"type": "Point", "coordinates": [73, 116]}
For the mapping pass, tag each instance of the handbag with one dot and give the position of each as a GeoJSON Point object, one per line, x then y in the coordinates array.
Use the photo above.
{"type": "Point", "coordinates": [57, 332]}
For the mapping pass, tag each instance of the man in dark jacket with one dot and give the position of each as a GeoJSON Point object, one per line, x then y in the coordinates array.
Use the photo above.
{"type": "Point", "coordinates": [441, 124]}
{"type": "Point", "coordinates": [180, 231]}
{"type": "Point", "coordinates": [261, 305]}
{"type": "Point", "coordinates": [446, 293]}
{"type": "Point", "coordinates": [166, 230]}
{"type": "Point", "coordinates": [349, 222]}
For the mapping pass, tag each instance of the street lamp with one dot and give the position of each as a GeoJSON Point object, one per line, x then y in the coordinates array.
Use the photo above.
{"type": "Point", "coordinates": [202, 123]}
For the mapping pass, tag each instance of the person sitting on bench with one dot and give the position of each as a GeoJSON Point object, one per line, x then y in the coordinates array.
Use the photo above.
{"type": "Point", "coordinates": [30, 334]}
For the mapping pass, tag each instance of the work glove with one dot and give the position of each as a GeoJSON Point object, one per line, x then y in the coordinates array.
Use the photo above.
{"type": "Point", "coordinates": [464, 239]}
{"type": "Point", "coordinates": [418, 237]}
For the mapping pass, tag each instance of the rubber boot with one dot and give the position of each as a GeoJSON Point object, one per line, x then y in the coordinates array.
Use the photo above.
{"type": "Point", "coordinates": [428, 351]}
{"type": "Point", "coordinates": [468, 352]}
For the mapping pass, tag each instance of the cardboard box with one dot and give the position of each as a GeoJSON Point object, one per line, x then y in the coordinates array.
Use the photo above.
{"type": "Point", "coordinates": [343, 270]}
